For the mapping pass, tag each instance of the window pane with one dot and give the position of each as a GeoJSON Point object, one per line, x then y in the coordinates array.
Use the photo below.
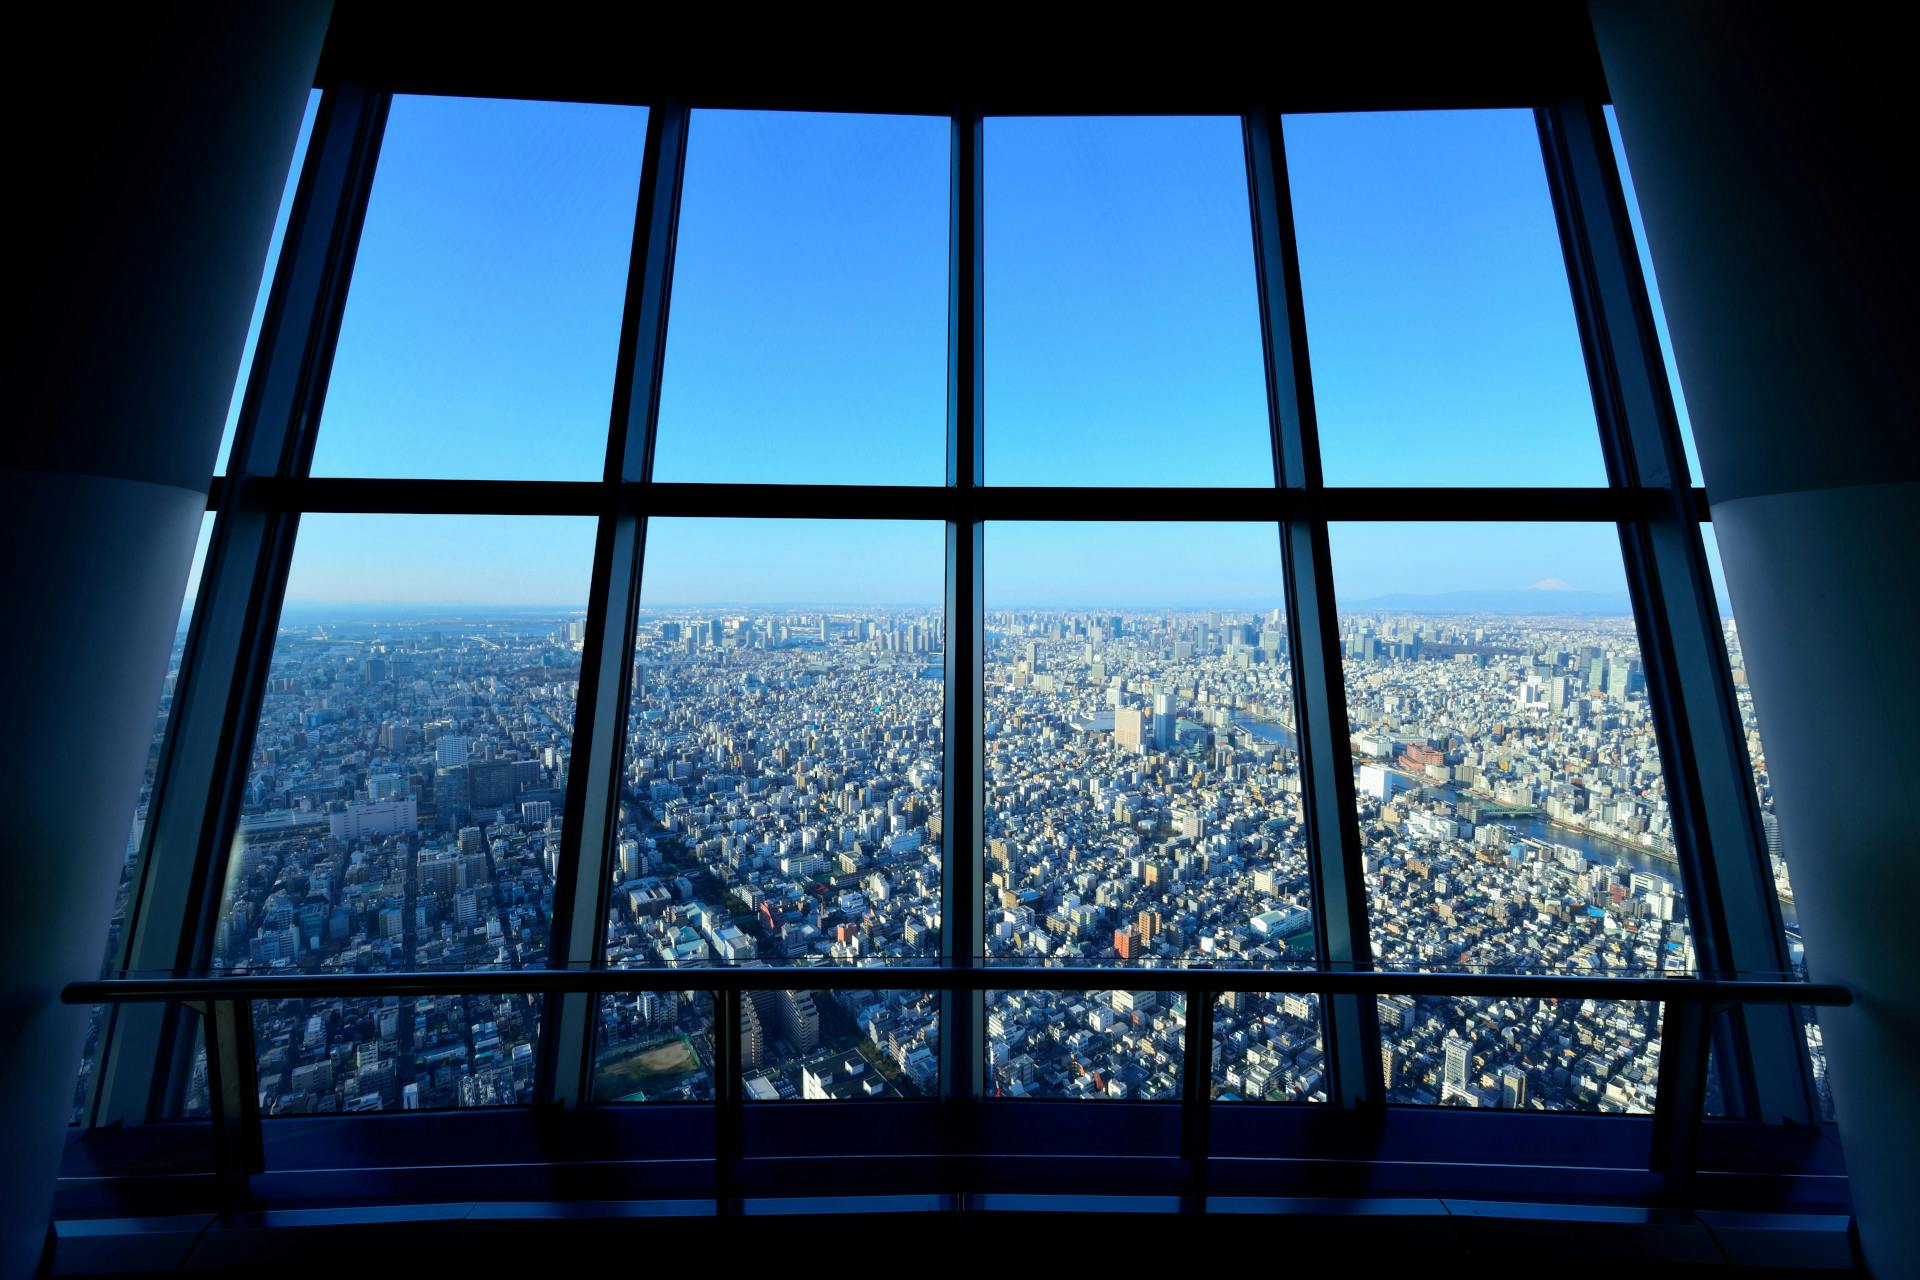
{"type": "Point", "coordinates": [808, 340]}
{"type": "Point", "coordinates": [655, 1046]}
{"type": "Point", "coordinates": [1123, 1046]}
{"type": "Point", "coordinates": [839, 1046]}
{"type": "Point", "coordinates": [482, 327]}
{"type": "Point", "coordinates": [1531, 1055]}
{"type": "Point", "coordinates": [404, 795]}
{"type": "Point", "coordinates": [781, 798]}
{"type": "Point", "coordinates": [1442, 335]}
{"type": "Point", "coordinates": [1122, 315]}
{"type": "Point", "coordinates": [266, 280]}
{"type": "Point", "coordinates": [782, 790]}
{"type": "Point", "coordinates": [1769, 822]}
{"type": "Point", "coordinates": [1512, 809]}
{"type": "Point", "coordinates": [1267, 1046]}
{"type": "Point", "coordinates": [1142, 777]}
{"type": "Point", "coordinates": [1142, 780]}
{"type": "Point", "coordinates": [116, 927]}
{"type": "Point", "coordinates": [1653, 297]}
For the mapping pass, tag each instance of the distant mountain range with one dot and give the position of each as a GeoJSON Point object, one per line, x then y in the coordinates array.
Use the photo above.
{"type": "Point", "coordinates": [1521, 600]}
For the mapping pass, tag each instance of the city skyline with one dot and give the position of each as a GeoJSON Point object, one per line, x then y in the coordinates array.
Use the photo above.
{"type": "Point", "coordinates": [435, 562]}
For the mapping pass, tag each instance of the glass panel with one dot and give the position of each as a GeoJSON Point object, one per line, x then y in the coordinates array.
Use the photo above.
{"type": "Point", "coordinates": [405, 788]}
{"type": "Point", "coordinates": [1653, 296]}
{"type": "Point", "coordinates": [1123, 1046]}
{"type": "Point", "coordinates": [1442, 334]}
{"type": "Point", "coordinates": [839, 1046]}
{"type": "Point", "coordinates": [1537, 1055]}
{"type": "Point", "coordinates": [481, 332]}
{"type": "Point", "coordinates": [782, 792]}
{"type": "Point", "coordinates": [809, 333]}
{"type": "Point", "coordinates": [1267, 1046]}
{"type": "Point", "coordinates": [655, 1046]}
{"type": "Point", "coordinates": [1142, 776]}
{"type": "Point", "coordinates": [1796, 950]}
{"type": "Point", "coordinates": [116, 928]}
{"type": "Point", "coordinates": [266, 280]}
{"type": "Point", "coordinates": [1122, 314]}
{"type": "Point", "coordinates": [1512, 808]}
{"type": "Point", "coordinates": [1142, 779]}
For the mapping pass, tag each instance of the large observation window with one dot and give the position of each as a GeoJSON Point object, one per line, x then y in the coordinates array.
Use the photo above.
{"type": "Point", "coordinates": [820, 690]}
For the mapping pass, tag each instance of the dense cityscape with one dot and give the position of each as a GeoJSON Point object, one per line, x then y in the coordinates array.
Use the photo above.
{"type": "Point", "coordinates": [781, 804]}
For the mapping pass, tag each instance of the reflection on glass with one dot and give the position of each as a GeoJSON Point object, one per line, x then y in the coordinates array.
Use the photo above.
{"type": "Point", "coordinates": [839, 1046]}
{"type": "Point", "coordinates": [1512, 810]}
{"type": "Point", "coordinates": [655, 1046]}
{"type": "Point", "coordinates": [483, 321]}
{"type": "Point", "coordinates": [403, 800]}
{"type": "Point", "coordinates": [129, 865]}
{"type": "Point", "coordinates": [1123, 1046]}
{"type": "Point", "coordinates": [808, 340]}
{"type": "Point", "coordinates": [781, 797]}
{"type": "Point", "coordinates": [1442, 335]}
{"type": "Point", "coordinates": [1267, 1047]}
{"type": "Point", "coordinates": [266, 279]}
{"type": "Point", "coordinates": [1796, 950]}
{"type": "Point", "coordinates": [1521, 1054]}
{"type": "Point", "coordinates": [1122, 316]}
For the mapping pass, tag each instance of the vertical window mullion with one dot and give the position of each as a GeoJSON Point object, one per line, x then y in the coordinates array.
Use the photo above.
{"type": "Point", "coordinates": [962, 890]}
{"type": "Point", "coordinates": [1736, 915]}
{"type": "Point", "coordinates": [1326, 764]}
{"type": "Point", "coordinates": [606, 669]}
{"type": "Point", "coordinates": [223, 668]}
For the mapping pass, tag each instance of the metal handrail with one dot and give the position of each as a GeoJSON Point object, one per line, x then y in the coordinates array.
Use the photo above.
{"type": "Point", "coordinates": [1677, 989]}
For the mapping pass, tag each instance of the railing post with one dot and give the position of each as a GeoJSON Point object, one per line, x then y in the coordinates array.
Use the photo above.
{"type": "Point", "coordinates": [1196, 1097]}
{"type": "Point", "coordinates": [728, 1101]}
{"type": "Point", "coordinates": [1684, 1044]}
{"type": "Point", "coordinates": [235, 1098]}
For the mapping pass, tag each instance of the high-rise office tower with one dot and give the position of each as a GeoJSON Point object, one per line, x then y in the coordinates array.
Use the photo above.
{"type": "Point", "coordinates": [1455, 1053]}
{"type": "Point", "coordinates": [1163, 721]}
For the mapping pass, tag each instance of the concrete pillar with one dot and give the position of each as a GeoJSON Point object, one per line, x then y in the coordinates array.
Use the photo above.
{"type": "Point", "coordinates": [150, 164]}
{"type": "Point", "coordinates": [1774, 171]}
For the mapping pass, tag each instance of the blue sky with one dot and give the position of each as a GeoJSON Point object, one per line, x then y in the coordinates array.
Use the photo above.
{"type": "Point", "coordinates": [808, 342]}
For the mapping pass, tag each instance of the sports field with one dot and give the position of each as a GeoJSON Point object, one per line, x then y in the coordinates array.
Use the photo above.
{"type": "Point", "coordinates": [637, 1072]}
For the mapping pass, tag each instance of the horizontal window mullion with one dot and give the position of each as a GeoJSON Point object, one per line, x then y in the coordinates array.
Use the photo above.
{"type": "Point", "coordinates": [933, 502]}
{"type": "Point", "coordinates": [421, 497]}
